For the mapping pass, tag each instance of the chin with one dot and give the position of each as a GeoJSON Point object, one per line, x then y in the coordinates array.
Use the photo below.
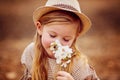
{"type": "Point", "coordinates": [51, 55]}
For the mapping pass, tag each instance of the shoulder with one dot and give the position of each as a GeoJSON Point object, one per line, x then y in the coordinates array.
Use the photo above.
{"type": "Point", "coordinates": [27, 55]}
{"type": "Point", "coordinates": [81, 68]}
{"type": "Point", "coordinates": [81, 60]}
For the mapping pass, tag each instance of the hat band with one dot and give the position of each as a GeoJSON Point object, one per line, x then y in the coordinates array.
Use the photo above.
{"type": "Point", "coordinates": [65, 6]}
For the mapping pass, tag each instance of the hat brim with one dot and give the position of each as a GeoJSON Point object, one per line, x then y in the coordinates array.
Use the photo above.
{"type": "Point", "coordinates": [45, 9]}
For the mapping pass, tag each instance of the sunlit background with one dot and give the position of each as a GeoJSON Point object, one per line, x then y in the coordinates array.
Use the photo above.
{"type": "Point", "coordinates": [101, 43]}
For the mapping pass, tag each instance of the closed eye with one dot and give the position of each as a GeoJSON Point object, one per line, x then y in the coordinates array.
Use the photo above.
{"type": "Point", "coordinates": [53, 36]}
{"type": "Point", "coordinates": [66, 40]}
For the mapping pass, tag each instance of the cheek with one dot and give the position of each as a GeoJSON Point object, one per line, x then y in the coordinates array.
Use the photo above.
{"type": "Point", "coordinates": [71, 42]}
{"type": "Point", "coordinates": [45, 42]}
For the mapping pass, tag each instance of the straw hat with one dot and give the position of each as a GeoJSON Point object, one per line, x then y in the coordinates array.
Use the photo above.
{"type": "Point", "coordinates": [67, 5]}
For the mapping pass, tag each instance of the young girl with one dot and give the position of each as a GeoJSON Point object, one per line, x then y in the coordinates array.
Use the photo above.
{"type": "Point", "coordinates": [60, 20]}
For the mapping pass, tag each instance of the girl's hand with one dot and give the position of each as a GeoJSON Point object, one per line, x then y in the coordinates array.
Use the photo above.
{"type": "Point", "coordinates": [62, 75]}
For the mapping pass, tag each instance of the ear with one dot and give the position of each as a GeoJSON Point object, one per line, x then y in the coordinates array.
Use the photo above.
{"type": "Point", "coordinates": [39, 27]}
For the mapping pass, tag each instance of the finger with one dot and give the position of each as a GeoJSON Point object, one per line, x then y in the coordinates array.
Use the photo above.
{"type": "Point", "coordinates": [61, 78]}
{"type": "Point", "coordinates": [62, 73]}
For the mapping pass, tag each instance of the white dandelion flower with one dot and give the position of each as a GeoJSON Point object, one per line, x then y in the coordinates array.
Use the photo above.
{"type": "Point", "coordinates": [61, 53]}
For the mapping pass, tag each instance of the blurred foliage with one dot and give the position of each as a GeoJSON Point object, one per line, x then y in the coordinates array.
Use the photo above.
{"type": "Point", "coordinates": [13, 1]}
{"type": "Point", "coordinates": [112, 16]}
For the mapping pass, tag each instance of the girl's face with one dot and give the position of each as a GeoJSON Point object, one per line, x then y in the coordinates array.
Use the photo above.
{"type": "Point", "coordinates": [63, 31]}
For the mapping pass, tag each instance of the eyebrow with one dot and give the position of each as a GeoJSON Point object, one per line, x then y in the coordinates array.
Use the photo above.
{"type": "Point", "coordinates": [52, 32]}
{"type": "Point", "coordinates": [69, 37]}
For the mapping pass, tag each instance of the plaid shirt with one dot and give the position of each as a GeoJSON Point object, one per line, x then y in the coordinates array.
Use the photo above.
{"type": "Point", "coordinates": [80, 69]}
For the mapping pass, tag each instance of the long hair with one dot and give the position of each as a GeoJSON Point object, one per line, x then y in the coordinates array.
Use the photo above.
{"type": "Point", "coordinates": [40, 61]}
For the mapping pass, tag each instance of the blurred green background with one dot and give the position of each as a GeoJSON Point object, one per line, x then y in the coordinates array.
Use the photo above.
{"type": "Point", "coordinates": [101, 43]}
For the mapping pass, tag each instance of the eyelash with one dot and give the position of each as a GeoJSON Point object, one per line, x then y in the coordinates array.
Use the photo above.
{"type": "Point", "coordinates": [53, 36]}
{"type": "Point", "coordinates": [65, 40]}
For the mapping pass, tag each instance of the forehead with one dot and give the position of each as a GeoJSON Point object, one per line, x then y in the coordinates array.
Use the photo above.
{"type": "Point", "coordinates": [61, 28]}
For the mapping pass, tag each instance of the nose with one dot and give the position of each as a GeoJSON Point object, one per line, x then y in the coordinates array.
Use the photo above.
{"type": "Point", "coordinates": [61, 41]}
